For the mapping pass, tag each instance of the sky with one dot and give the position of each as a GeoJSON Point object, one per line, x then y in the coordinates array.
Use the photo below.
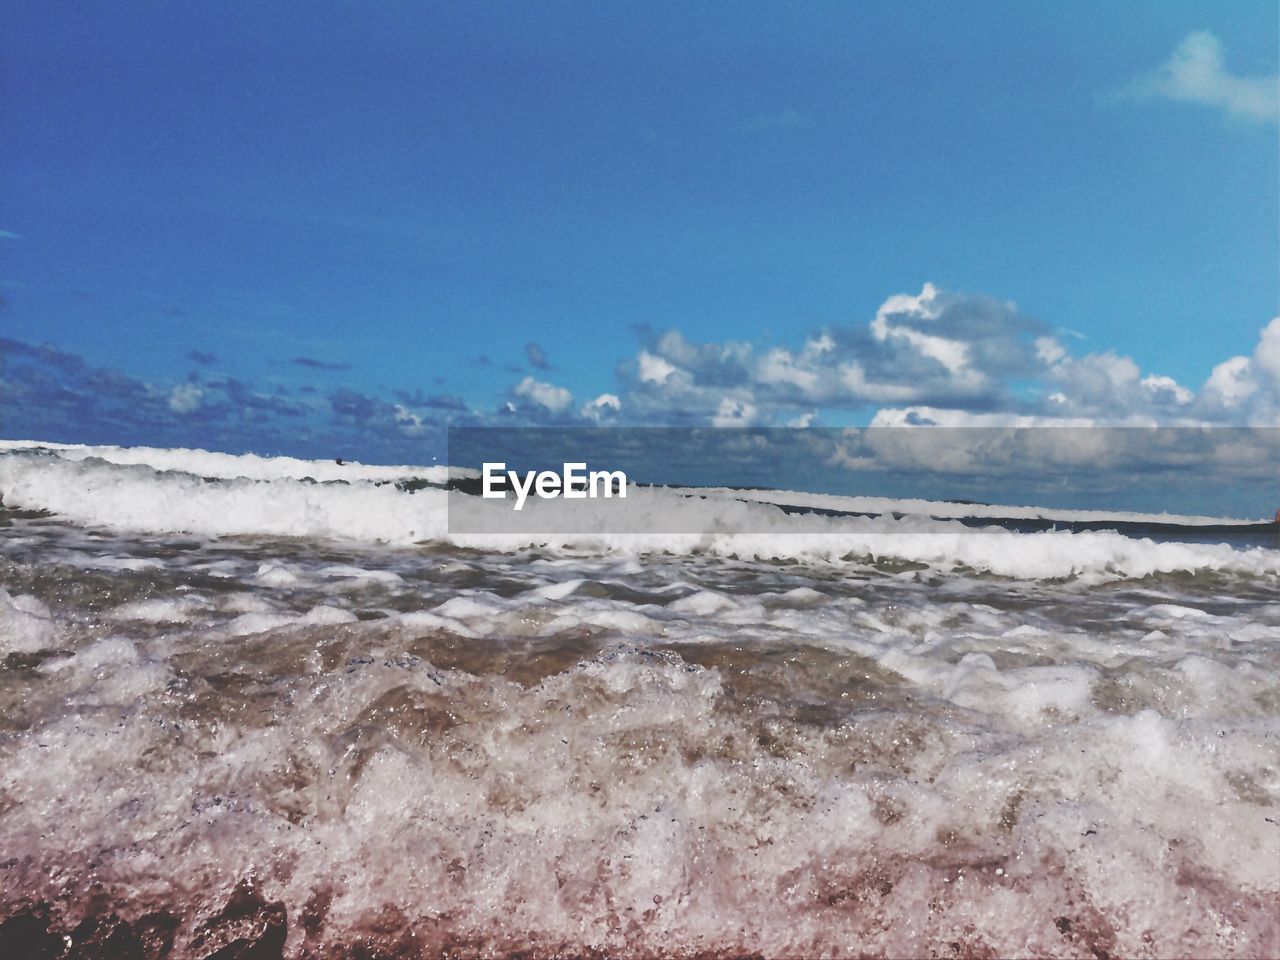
{"type": "Point", "coordinates": [336, 229]}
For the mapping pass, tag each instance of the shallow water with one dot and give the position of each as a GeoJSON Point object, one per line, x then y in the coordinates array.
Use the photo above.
{"type": "Point", "coordinates": [328, 747]}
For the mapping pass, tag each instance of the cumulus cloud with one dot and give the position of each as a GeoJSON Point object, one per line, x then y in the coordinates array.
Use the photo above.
{"type": "Point", "coordinates": [913, 320]}
{"type": "Point", "coordinates": [607, 401]}
{"type": "Point", "coordinates": [602, 409]}
{"type": "Point", "coordinates": [931, 347]}
{"type": "Point", "coordinates": [654, 369]}
{"type": "Point", "coordinates": [936, 356]}
{"type": "Point", "coordinates": [929, 357]}
{"type": "Point", "coordinates": [1195, 73]}
{"type": "Point", "coordinates": [411, 424]}
{"type": "Point", "coordinates": [924, 416]}
{"type": "Point", "coordinates": [551, 398]}
{"type": "Point", "coordinates": [1095, 384]}
{"type": "Point", "coordinates": [1108, 389]}
{"type": "Point", "coordinates": [734, 413]}
{"type": "Point", "coordinates": [1247, 389]}
{"type": "Point", "coordinates": [1267, 356]}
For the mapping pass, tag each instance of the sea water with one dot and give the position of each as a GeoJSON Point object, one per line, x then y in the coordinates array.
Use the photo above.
{"type": "Point", "coordinates": [278, 703]}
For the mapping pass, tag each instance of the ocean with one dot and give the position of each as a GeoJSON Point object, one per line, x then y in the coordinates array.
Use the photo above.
{"type": "Point", "coordinates": [282, 708]}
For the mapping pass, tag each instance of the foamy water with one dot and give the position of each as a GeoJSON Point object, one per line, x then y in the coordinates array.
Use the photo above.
{"type": "Point", "coordinates": [238, 704]}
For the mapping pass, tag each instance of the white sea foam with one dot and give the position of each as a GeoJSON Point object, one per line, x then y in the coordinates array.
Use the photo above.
{"type": "Point", "coordinates": [630, 804]}
{"type": "Point", "coordinates": [205, 463]}
{"type": "Point", "coordinates": [944, 508]}
{"type": "Point", "coordinates": [25, 624]}
{"type": "Point", "coordinates": [78, 485]}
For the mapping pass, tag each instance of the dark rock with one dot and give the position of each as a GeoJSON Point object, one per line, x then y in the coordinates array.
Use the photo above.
{"type": "Point", "coordinates": [315, 910]}
{"type": "Point", "coordinates": [247, 928]}
{"type": "Point", "coordinates": [155, 932]}
{"type": "Point", "coordinates": [27, 934]}
{"type": "Point", "coordinates": [105, 938]}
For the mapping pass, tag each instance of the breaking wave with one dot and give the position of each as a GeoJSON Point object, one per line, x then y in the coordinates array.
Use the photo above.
{"type": "Point", "coordinates": [252, 707]}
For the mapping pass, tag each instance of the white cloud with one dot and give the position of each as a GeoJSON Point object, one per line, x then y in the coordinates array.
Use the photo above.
{"type": "Point", "coordinates": [607, 401]}
{"type": "Point", "coordinates": [819, 345]}
{"type": "Point", "coordinates": [924, 305]}
{"type": "Point", "coordinates": [409, 423]}
{"type": "Point", "coordinates": [1097, 377]}
{"type": "Point", "coordinates": [779, 366]}
{"type": "Point", "coordinates": [1247, 389]}
{"type": "Point", "coordinates": [918, 348]}
{"type": "Point", "coordinates": [1232, 381]}
{"type": "Point", "coordinates": [607, 404]}
{"type": "Point", "coordinates": [947, 329]}
{"type": "Point", "coordinates": [855, 379]}
{"type": "Point", "coordinates": [654, 369]}
{"type": "Point", "coordinates": [1107, 387]}
{"type": "Point", "coordinates": [936, 417]}
{"type": "Point", "coordinates": [185, 398]}
{"type": "Point", "coordinates": [1166, 388]}
{"type": "Point", "coordinates": [552, 398]}
{"type": "Point", "coordinates": [952, 354]}
{"type": "Point", "coordinates": [932, 357]}
{"type": "Point", "coordinates": [1049, 350]}
{"type": "Point", "coordinates": [1267, 354]}
{"type": "Point", "coordinates": [1195, 73]}
{"type": "Point", "coordinates": [734, 413]}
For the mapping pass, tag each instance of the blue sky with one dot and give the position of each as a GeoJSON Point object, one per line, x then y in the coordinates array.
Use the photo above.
{"type": "Point", "coordinates": [296, 228]}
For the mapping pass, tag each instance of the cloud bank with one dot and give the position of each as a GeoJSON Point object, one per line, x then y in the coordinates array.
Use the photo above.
{"type": "Point", "coordinates": [934, 357]}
